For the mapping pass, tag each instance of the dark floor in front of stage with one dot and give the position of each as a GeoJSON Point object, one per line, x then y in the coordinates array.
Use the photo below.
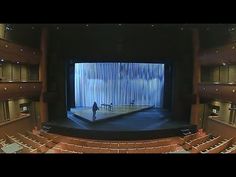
{"type": "Point", "coordinates": [151, 119]}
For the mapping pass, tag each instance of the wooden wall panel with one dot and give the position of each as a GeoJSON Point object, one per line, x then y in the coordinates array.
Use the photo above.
{"type": "Point", "coordinates": [16, 73]}
{"type": "Point", "coordinates": [232, 73]}
{"type": "Point", "coordinates": [2, 30]}
{"type": "Point", "coordinates": [24, 73]}
{"type": "Point", "coordinates": [7, 71]}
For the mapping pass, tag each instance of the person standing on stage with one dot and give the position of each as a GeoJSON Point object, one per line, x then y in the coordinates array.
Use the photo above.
{"type": "Point", "coordinates": [95, 108]}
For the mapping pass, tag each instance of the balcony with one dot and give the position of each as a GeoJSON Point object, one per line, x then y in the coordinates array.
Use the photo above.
{"type": "Point", "coordinates": [225, 54]}
{"type": "Point", "coordinates": [13, 90]}
{"type": "Point", "coordinates": [219, 91]}
{"type": "Point", "coordinates": [18, 54]}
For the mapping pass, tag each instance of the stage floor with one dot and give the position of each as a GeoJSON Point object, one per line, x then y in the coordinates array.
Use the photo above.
{"type": "Point", "coordinates": [104, 113]}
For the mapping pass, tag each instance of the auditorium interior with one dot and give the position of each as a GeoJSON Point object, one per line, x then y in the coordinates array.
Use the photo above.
{"type": "Point", "coordinates": [118, 88]}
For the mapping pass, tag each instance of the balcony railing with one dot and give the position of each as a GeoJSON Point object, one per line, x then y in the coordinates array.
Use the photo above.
{"type": "Point", "coordinates": [12, 90]}
{"type": "Point", "coordinates": [224, 92]}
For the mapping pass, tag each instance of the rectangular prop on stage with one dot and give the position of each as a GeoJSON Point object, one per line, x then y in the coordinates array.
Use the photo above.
{"type": "Point", "coordinates": [103, 113]}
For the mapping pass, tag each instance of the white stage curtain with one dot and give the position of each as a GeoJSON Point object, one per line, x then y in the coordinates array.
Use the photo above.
{"type": "Point", "coordinates": [119, 84]}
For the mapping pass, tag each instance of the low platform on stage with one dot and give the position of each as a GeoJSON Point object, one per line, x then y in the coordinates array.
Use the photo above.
{"type": "Point", "coordinates": [146, 124]}
{"type": "Point", "coordinates": [105, 114]}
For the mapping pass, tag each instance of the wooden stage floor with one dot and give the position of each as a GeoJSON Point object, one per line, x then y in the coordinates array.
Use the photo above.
{"type": "Point", "coordinates": [104, 113]}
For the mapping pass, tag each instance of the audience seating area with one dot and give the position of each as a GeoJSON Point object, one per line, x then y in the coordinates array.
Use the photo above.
{"type": "Point", "coordinates": [43, 142]}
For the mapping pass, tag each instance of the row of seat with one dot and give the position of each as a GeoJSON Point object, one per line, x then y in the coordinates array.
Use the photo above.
{"type": "Point", "coordinates": [87, 149]}
{"type": "Point", "coordinates": [75, 145]}
{"type": "Point", "coordinates": [44, 142]}
{"type": "Point", "coordinates": [202, 143]}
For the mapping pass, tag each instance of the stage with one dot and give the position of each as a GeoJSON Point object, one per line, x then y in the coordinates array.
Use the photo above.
{"type": "Point", "coordinates": [105, 113]}
{"type": "Point", "coordinates": [146, 124]}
